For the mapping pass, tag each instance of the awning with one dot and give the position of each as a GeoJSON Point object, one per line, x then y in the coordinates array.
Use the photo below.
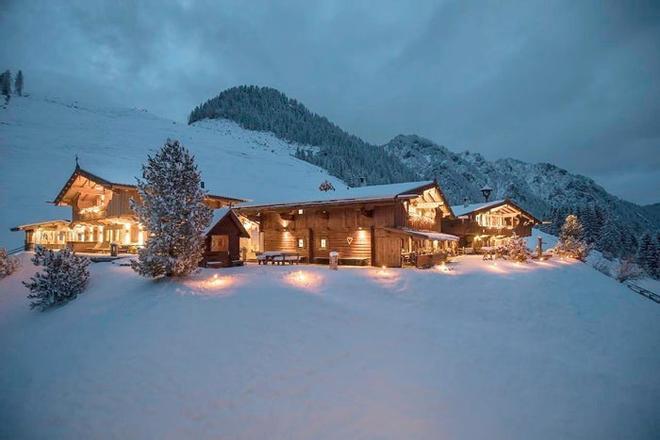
{"type": "Point", "coordinates": [425, 235]}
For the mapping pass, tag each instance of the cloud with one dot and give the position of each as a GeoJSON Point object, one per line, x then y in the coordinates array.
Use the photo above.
{"type": "Point", "coordinates": [573, 83]}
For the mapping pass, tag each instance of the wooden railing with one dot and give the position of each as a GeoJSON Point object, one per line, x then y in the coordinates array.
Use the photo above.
{"type": "Point", "coordinates": [644, 292]}
{"type": "Point", "coordinates": [16, 250]}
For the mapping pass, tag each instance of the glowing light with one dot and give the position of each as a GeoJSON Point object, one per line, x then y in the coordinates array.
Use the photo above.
{"type": "Point", "coordinates": [303, 279]}
{"type": "Point", "coordinates": [212, 285]}
{"type": "Point", "coordinates": [442, 267]}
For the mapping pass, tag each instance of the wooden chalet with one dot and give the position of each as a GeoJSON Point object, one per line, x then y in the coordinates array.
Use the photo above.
{"type": "Point", "coordinates": [381, 225]}
{"type": "Point", "coordinates": [100, 215]}
{"type": "Point", "coordinates": [488, 224]}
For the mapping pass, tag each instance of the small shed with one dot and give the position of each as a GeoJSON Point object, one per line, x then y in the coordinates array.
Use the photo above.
{"type": "Point", "coordinates": [222, 244]}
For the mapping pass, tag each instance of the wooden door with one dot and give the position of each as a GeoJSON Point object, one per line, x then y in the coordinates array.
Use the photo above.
{"type": "Point", "coordinates": [388, 251]}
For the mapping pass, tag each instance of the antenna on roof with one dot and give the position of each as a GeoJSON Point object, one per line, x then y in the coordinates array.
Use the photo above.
{"type": "Point", "coordinates": [77, 164]}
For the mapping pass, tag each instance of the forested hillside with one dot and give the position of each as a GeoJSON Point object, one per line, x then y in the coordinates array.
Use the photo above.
{"type": "Point", "coordinates": [342, 154]}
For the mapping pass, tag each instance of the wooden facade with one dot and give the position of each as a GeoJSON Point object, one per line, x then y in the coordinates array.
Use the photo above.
{"type": "Point", "coordinates": [487, 224]}
{"type": "Point", "coordinates": [100, 216]}
{"type": "Point", "coordinates": [364, 230]}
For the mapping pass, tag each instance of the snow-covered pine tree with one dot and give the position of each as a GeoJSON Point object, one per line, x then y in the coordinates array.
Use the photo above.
{"type": "Point", "coordinates": [5, 85]}
{"type": "Point", "coordinates": [610, 240]}
{"type": "Point", "coordinates": [18, 83]}
{"type": "Point", "coordinates": [648, 258]}
{"type": "Point", "coordinates": [571, 241]}
{"type": "Point", "coordinates": [627, 270]}
{"type": "Point", "coordinates": [326, 186]}
{"type": "Point", "coordinates": [8, 264]}
{"type": "Point", "coordinates": [516, 249]}
{"type": "Point", "coordinates": [172, 209]}
{"type": "Point", "coordinates": [64, 277]}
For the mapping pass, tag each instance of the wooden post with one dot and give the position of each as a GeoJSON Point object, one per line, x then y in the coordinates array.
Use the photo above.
{"type": "Point", "coordinates": [539, 247]}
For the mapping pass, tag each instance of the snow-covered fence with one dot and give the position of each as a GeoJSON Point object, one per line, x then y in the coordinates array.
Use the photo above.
{"type": "Point", "coordinates": [644, 292]}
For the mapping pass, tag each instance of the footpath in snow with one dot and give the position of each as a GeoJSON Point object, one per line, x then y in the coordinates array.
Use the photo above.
{"type": "Point", "coordinates": [545, 350]}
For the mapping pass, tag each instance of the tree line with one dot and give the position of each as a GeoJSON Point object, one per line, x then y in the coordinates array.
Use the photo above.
{"type": "Point", "coordinates": [343, 155]}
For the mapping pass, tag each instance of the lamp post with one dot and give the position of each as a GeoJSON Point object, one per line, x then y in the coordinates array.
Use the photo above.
{"type": "Point", "coordinates": [486, 190]}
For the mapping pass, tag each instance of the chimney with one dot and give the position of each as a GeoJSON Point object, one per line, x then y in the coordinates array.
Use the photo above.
{"type": "Point", "coordinates": [362, 181]}
{"type": "Point", "coordinates": [465, 202]}
{"type": "Point", "coordinates": [486, 190]}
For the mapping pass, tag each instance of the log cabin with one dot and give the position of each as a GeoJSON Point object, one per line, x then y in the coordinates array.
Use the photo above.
{"type": "Point", "coordinates": [489, 223]}
{"type": "Point", "coordinates": [380, 225]}
{"type": "Point", "coordinates": [222, 246]}
{"type": "Point", "coordinates": [100, 215]}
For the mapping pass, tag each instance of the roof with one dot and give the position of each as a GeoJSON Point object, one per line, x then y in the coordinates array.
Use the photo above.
{"type": "Point", "coordinates": [461, 210]}
{"type": "Point", "coordinates": [467, 209]}
{"type": "Point", "coordinates": [428, 235]}
{"type": "Point", "coordinates": [353, 195]}
{"type": "Point", "coordinates": [221, 213]}
{"type": "Point", "coordinates": [34, 225]}
{"type": "Point", "coordinates": [114, 185]}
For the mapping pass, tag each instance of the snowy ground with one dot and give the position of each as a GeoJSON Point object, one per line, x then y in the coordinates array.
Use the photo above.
{"type": "Point", "coordinates": [545, 350]}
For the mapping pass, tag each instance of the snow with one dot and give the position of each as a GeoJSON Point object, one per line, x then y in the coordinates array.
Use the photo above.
{"type": "Point", "coordinates": [344, 193]}
{"type": "Point", "coordinates": [543, 350]}
{"type": "Point", "coordinates": [218, 214]}
{"type": "Point", "coordinates": [460, 210]}
{"type": "Point", "coordinates": [39, 138]}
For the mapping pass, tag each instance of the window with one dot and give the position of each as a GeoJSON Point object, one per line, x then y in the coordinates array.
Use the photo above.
{"type": "Point", "coordinates": [300, 211]}
{"type": "Point", "coordinates": [219, 243]}
{"type": "Point", "coordinates": [324, 243]}
{"type": "Point", "coordinates": [301, 242]}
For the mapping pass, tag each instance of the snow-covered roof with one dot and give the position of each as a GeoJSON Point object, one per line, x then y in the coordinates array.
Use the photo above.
{"type": "Point", "coordinates": [219, 214]}
{"type": "Point", "coordinates": [460, 210]}
{"type": "Point", "coordinates": [45, 222]}
{"type": "Point", "coordinates": [363, 193]}
{"type": "Point", "coordinates": [430, 235]}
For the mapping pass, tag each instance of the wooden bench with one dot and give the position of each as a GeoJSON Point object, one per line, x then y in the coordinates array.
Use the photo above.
{"type": "Point", "coordinates": [351, 261]}
{"type": "Point", "coordinates": [277, 257]}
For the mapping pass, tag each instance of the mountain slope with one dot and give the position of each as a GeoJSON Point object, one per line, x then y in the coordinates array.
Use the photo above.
{"type": "Point", "coordinates": [39, 138]}
{"type": "Point", "coordinates": [547, 190]}
{"type": "Point", "coordinates": [342, 154]}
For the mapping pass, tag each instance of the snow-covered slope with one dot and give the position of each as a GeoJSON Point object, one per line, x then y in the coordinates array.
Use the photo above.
{"type": "Point", "coordinates": [39, 138]}
{"type": "Point", "coordinates": [548, 350]}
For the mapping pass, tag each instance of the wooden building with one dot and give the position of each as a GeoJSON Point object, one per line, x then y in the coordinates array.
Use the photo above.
{"type": "Point", "coordinates": [489, 223]}
{"type": "Point", "coordinates": [223, 239]}
{"type": "Point", "coordinates": [100, 215]}
{"type": "Point", "coordinates": [381, 225]}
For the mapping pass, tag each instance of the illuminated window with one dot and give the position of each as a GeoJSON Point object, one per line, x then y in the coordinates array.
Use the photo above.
{"type": "Point", "coordinates": [300, 211]}
{"type": "Point", "coordinates": [324, 243]}
{"type": "Point", "coordinates": [219, 243]}
{"type": "Point", "coordinates": [301, 243]}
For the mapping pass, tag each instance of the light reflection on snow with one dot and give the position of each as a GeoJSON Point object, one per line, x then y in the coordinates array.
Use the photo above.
{"type": "Point", "coordinates": [210, 285]}
{"type": "Point", "coordinates": [304, 279]}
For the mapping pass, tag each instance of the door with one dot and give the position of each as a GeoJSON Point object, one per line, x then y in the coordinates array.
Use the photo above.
{"type": "Point", "coordinates": [388, 251]}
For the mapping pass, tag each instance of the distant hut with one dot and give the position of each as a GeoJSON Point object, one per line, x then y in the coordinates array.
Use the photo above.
{"type": "Point", "coordinates": [222, 245]}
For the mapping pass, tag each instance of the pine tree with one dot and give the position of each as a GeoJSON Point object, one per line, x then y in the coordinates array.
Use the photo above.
{"type": "Point", "coordinates": [8, 264]}
{"type": "Point", "coordinates": [516, 249]}
{"type": "Point", "coordinates": [571, 241]}
{"type": "Point", "coordinates": [64, 277]}
{"type": "Point", "coordinates": [610, 240]}
{"type": "Point", "coordinates": [172, 209]}
{"type": "Point", "coordinates": [647, 257]}
{"type": "Point", "coordinates": [5, 85]}
{"type": "Point", "coordinates": [18, 84]}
